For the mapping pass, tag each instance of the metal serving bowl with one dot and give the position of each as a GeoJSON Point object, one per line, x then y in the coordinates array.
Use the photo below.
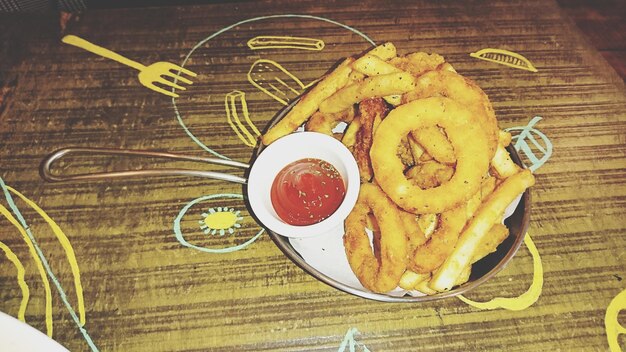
{"type": "Point", "coordinates": [482, 270]}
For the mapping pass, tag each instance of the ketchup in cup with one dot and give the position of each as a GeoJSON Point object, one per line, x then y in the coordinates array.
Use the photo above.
{"type": "Point", "coordinates": [307, 191]}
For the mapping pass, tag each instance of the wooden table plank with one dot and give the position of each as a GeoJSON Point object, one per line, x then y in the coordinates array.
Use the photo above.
{"type": "Point", "coordinates": [146, 292]}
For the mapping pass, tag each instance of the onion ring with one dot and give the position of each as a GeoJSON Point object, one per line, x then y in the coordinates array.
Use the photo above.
{"type": "Point", "coordinates": [464, 91]}
{"type": "Point", "coordinates": [378, 271]}
{"type": "Point", "coordinates": [430, 174]}
{"type": "Point", "coordinates": [466, 136]}
{"type": "Point", "coordinates": [432, 254]}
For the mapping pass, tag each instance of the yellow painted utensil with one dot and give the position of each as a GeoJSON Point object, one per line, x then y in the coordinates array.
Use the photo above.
{"type": "Point", "coordinates": [148, 75]}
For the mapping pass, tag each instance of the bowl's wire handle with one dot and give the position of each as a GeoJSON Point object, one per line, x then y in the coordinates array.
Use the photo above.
{"type": "Point", "coordinates": [46, 166]}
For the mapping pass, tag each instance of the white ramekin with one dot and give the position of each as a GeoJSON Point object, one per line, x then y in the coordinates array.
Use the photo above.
{"type": "Point", "coordinates": [293, 147]}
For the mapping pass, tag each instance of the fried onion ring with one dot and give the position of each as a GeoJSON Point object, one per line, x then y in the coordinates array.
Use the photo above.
{"type": "Point", "coordinates": [464, 91]}
{"type": "Point", "coordinates": [430, 174]}
{"type": "Point", "coordinates": [432, 254]}
{"type": "Point", "coordinates": [466, 136]}
{"type": "Point", "coordinates": [378, 271]}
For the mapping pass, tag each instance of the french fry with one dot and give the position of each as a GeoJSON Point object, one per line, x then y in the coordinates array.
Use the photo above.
{"type": "Point", "coordinates": [490, 243]}
{"type": "Point", "coordinates": [424, 288]}
{"type": "Point", "coordinates": [410, 279]}
{"type": "Point", "coordinates": [504, 138]}
{"type": "Point", "coordinates": [310, 102]}
{"type": "Point", "coordinates": [394, 100]}
{"type": "Point", "coordinates": [324, 123]}
{"type": "Point", "coordinates": [502, 163]}
{"type": "Point", "coordinates": [371, 87]}
{"type": "Point", "coordinates": [436, 144]}
{"type": "Point", "coordinates": [476, 230]}
{"type": "Point", "coordinates": [487, 186]}
{"type": "Point", "coordinates": [416, 149]}
{"type": "Point", "coordinates": [447, 67]}
{"type": "Point", "coordinates": [349, 135]}
{"type": "Point", "coordinates": [417, 63]}
{"type": "Point", "coordinates": [371, 65]}
{"type": "Point", "coordinates": [428, 223]}
{"type": "Point", "coordinates": [355, 77]}
{"type": "Point", "coordinates": [464, 276]}
{"type": "Point", "coordinates": [384, 52]}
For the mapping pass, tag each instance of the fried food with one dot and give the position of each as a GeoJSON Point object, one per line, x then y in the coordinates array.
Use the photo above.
{"type": "Point", "coordinates": [487, 186]}
{"type": "Point", "coordinates": [418, 63]}
{"type": "Point", "coordinates": [474, 233]}
{"type": "Point", "coordinates": [464, 91]}
{"type": "Point", "coordinates": [430, 174]}
{"type": "Point", "coordinates": [410, 279]}
{"type": "Point", "coordinates": [468, 140]}
{"type": "Point", "coordinates": [502, 164]}
{"type": "Point", "coordinates": [429, 256]}
{"type": "Point", "coordinates": [380, 271]}
{"type": "Point", "coordinates": [310, 102]}
{"type": "Point", "coordinates": [435, 143]}
{"type": "Point", "coordinates": [489, 244]}
{"type": "Point", "coordinates": [414, 234]}
{"type": "Point", "coordinates": [349, 135]}
{"type": "Point", "coordinates": [385, 51]}
{"type": "Point", "coordinates": [428, 223]}
{"type": "Point", "coordinates": [324, 123]}
{"type": "Point", "coordinates": [435, 173]}
{"type": "Point", "coordinates": [368, 111]}
{"type": "Point", "coordinates": [371, 87]}
{"type": "Point", "coordinates": [371, 65]}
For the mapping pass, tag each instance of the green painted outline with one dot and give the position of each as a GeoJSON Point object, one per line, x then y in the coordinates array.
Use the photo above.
{"type": "Point", "coordinates": [202, 42]}
{"type": "Point", "coordinates": [183, 211]}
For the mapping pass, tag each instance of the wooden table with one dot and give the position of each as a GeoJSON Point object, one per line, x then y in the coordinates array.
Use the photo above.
{"type": "Point", "coordinates": [145, 291]}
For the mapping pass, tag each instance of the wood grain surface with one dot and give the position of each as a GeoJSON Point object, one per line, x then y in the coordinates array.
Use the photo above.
{"type": "Point", "coordinates": [145, 291]}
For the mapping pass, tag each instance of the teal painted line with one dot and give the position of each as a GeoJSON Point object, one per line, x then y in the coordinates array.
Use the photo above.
{"type": "Point", "coordinates": [54, 279]}
{"type": "Point", "coordinates": [202, 42]}
{"type": "Point", "coordinates": [350, 342]}
{"type": "Point", "coordinates": [526, 132]}
{"type": "Point", "coordinates": [181, 238]}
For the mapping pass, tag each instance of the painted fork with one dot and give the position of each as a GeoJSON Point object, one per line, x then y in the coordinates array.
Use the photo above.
{"type": "Point", "coordinates": [148, 75]}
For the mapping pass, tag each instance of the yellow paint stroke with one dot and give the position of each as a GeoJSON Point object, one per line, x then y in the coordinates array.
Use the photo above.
{"type": "Point", "coordinates": [220, 221]}
{"type": "Point", "coordinates": [20, 279]}
{"type": "Point", "coordinates": [67, 247]}
{"type": "Point", "coordinates": [42, 272]}
{"type": "Point", "coordinates": [527, 298]}
{"type": "Point", "coordinates": [234, 104]}
{"type": "Point", "coordinates": [267, 73]}
{"type": "Point", "coordinates": [148, 75]}
{"type": "Point", "coordinates": [613, 327]}
{"type": "Point", "coordinates": [505, 57]}
{"type": "Point", "coordinates": [285, 42]}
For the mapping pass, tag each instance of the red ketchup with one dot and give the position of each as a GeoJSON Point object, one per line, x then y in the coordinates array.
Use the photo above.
{"type": "Point", "coordinates": [307, 191]}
